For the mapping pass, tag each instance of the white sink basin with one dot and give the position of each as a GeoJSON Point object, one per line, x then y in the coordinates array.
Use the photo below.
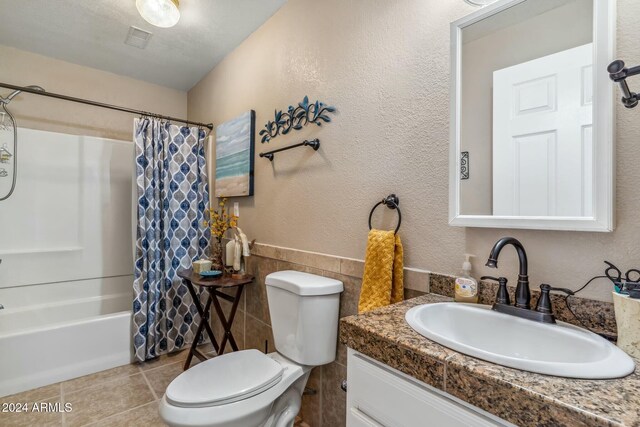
{"type": "Point", "coordinates": [561, 350]}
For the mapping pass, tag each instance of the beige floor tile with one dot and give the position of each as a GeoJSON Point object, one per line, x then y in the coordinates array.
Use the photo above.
{"type": "Point", "coordinates": [165, 359]}
{"type": "Point", "coordinates": [143, 416]}
{"type": "Point", "coordinates": [109, 398]}
{"type": "Point", "coordinates": [99, 378]}
{"type": "Point", "coordinates": [33, 418]}
{"type": "Point", "coordinates": [204, 348]}
{"type": "Point", "coordinates": [160, 378]}
{"type": "Point", "coordinates": [35, 395]}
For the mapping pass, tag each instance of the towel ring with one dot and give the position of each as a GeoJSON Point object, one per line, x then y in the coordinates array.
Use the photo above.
{"type": "Point", "coordinates": [392, 202]}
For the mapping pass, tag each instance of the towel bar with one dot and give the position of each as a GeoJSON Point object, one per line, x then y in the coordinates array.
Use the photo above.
{"type": "Point", "coordinates": [314, 143]}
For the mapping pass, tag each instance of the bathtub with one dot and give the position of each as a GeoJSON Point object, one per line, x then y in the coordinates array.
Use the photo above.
{"type": "Point", "coordinates": [66, 260]}
{"type": "Point", "coordinates": [55, 332]}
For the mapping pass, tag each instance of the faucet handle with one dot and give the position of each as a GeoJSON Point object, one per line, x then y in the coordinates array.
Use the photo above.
{"type": "Point", "coordinates": [544, 302]}
{"type": "Point", "coordinates": [502, 297]}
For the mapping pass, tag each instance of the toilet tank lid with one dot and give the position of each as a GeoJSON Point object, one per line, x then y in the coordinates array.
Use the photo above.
{"type": "Point", "coordinates": [305, 284]}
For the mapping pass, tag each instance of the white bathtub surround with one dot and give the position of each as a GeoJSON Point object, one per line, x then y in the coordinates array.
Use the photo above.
{"type": "Point", "coordinates": [70, 215]}
{"type": "Point", "coordinates": [66, 271]}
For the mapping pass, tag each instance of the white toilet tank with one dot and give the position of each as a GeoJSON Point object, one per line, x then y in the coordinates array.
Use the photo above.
{"type": "Point", "coordinates": [304, 312]}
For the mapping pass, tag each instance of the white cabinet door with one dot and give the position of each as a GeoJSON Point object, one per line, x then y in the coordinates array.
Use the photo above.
{"type": "Point", "coordinates": [378, 395]}
{"type": "Point", "coordinates": [542, 148]}
{"type": "Point", "coordinates": [357, 418]}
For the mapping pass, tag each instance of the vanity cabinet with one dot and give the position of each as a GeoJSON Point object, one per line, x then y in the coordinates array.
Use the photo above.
{"type": "Point", "coordinates": [378, 395]}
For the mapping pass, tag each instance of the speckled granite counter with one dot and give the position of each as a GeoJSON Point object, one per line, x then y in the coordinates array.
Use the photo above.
{"type": "Point", "coordinates": [520, 397]}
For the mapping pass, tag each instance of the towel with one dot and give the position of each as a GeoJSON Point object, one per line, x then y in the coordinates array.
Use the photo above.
{"type": "Point", "coordinates": [245, 242]}
{"type": "Point", "coordinates": [383, 271]}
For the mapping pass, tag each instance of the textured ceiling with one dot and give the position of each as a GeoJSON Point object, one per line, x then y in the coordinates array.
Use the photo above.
{"type": "Point", "coordinates": [92, 33]}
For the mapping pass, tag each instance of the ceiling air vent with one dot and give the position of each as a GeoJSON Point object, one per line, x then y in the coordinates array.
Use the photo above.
{"type": "Point", "coordinates": [138, 37]}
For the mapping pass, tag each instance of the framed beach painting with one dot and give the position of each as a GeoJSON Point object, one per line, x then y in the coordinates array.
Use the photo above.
{"type": "Point", "coordinates": [234, 156]}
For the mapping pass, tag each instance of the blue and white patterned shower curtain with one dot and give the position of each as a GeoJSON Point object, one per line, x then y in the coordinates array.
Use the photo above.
{"type": "Point", "coordinates": [173, 196]}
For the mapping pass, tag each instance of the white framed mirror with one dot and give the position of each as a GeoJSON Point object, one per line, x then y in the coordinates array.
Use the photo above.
{"type": "Point", "coordinates": [532, 116]}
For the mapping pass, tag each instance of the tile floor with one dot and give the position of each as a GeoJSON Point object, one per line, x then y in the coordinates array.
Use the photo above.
{"type": "Point", "coordinates": [123, 396]}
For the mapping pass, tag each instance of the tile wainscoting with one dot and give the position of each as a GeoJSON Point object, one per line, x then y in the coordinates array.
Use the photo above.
{"type": "Point", "coordinates": [326, 407]}
{"type": "Point", "coordinates": [252, 326]}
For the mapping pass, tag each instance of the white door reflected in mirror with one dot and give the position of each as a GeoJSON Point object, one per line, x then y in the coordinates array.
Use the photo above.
{"type": "Point", "coordinates": [542, 148]}
{"type": "Point", "coordinates": [534, 120]}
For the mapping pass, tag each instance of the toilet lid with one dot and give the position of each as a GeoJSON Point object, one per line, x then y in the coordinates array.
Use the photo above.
{"type": "Point", "coordinates": [225, 379]}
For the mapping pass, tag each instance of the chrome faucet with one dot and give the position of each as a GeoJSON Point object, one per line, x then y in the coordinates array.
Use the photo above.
{"type": "Point", "coordinates": [522, 308]}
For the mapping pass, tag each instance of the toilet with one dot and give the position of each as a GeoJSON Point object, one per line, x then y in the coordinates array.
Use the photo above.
{"type": "Point", "coordinates": [249, 388]}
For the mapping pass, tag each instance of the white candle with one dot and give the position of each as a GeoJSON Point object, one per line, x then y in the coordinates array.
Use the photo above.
{"type": "Point", "coordinates": [230, 251]}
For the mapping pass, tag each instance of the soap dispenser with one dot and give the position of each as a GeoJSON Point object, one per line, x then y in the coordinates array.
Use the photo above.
{"type": "Point", "coordinates": [466, 289]}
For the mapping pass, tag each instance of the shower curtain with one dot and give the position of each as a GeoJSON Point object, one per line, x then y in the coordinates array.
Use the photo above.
{"type": "Point", "coordinates": [172, 198]}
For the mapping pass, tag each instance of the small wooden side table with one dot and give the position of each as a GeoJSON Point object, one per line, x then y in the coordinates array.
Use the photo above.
{"type": "Point", "coordinates": [214, 287]}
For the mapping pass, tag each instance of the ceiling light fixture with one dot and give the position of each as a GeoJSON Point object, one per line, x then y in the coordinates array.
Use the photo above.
{"type": "Point", "coordinates": [481, 3]}
{"type": "Point", "coordinates": [161, 13]}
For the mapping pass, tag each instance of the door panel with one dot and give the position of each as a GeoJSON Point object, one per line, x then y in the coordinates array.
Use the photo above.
{"type": "Point", "coordinates": [542, 151]}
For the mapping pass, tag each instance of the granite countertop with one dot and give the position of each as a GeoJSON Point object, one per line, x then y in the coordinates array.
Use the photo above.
{"type": "Point", "coordinates": [520, 397]}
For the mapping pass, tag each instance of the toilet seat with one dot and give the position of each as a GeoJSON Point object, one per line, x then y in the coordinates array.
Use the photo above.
{"type": "Point", "coordinates": [225, 379]}
{"type": "Point", "coordinates": [250, 411]}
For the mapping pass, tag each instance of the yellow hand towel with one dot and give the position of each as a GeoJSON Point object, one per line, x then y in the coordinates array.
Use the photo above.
{"type": "Point", "coordinates": [383, 271]}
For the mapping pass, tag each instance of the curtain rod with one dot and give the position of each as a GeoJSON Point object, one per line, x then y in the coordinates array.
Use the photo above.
{"type": "Point", "coordinates": [103, 105]}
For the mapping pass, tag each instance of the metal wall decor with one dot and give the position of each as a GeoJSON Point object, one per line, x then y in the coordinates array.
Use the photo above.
{"type": "Point", "coordinates": [464, 165]}
{"type": "Point", "coordinates": [296, 118]}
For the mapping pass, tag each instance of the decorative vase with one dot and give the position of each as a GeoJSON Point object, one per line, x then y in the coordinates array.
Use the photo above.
{"type": "Point", "coordinates": [216, 255]}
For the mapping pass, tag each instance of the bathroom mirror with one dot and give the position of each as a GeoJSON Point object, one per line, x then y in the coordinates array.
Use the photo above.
{"type": "Point", "coordinates": [532, 124]}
